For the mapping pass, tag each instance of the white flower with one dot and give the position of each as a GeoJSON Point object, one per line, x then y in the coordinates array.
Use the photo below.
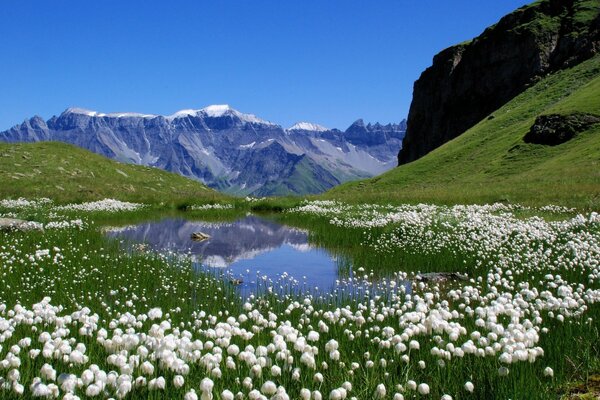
{"type": "Point", "coordinates": [147, 368]}
{"type": "Point", "coordinates": [191, 395]}
{"type": "Point", "coordinates": [226, 395]}
{"type": "Point", "coordinates": [548, 372]}
{"type": "Point", "coordinates": [178, 381]}
{"type": "Point", "coordinates": [47, 372]}
{"type": "Point", "coordinates": [206, 385]}
{"type": "Point", "coordinates": [155, 313]}
{"type": "Point", "coordinates": [268, 388]}
{"type": "Point", "coordinates": [93, 390]}
{"type": "Point", "coordinates": [380, 391]}
{"type": "Point", "coordinates": [305, 394]}
{"type": "Point", "coordinates": [469, 387]}
{"type": "Point", "coordinates": [423, 389]}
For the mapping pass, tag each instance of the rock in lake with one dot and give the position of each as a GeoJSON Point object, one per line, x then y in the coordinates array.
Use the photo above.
{"type": "Point", "coordinates": [200, 236]}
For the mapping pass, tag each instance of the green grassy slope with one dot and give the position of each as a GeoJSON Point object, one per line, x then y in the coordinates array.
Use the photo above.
{"type": "Point", "coordinates": [67, 173]}
{"type": "Point", "coordinates": [491, 162]}
{"type": "Point", "coordinates": [306, 177]}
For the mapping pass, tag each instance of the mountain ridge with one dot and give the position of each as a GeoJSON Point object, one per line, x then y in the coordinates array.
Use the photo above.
{"type": "Point", "coordinates": [215, 144]}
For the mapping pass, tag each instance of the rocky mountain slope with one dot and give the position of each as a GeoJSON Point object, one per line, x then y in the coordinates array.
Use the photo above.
{"type": "Point", "coordinates": [226, 149]}
{"type": "Point", "coordinates": [522, 155]}
{"type": "Point", "coordinates": [467, 82]}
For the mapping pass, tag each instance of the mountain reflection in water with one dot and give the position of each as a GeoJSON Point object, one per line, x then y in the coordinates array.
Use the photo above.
{"type": "Point", "coordinates": [251, 248]}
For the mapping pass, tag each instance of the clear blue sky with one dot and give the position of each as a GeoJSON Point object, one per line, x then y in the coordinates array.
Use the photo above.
{"type": "Point", "coordinates": [328, 62]}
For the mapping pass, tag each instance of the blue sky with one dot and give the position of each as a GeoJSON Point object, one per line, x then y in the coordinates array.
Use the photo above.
{"type": "Point", "coordinates": [328, 62]}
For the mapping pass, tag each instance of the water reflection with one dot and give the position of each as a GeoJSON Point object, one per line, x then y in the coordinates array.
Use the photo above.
{"type": "Point", "coordinates": [252, 249]}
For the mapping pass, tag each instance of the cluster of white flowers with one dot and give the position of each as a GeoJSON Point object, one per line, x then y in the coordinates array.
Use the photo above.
{"type": "Point", "coordinates": [22, 203]}
{"type": "Point", "coordinates": [74, 223]}
{"type": "Point", "coordinates": [211, 207]}
{"type": "Point", "coordinates": [106, 205]}
{"type": "Point", "coordinates": [532, 275]}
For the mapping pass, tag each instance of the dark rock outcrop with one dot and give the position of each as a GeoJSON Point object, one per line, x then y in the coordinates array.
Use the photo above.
{"type": "Point", "coordinates": [555, 129]}
{"type": "Point", "coordinates": [469, 81]}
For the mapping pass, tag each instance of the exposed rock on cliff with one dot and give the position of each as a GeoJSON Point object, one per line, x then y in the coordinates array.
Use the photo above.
{"type": "Point", "coordinates": [555, 129]}
{"type": "Point", "coordinates": [469, 81]}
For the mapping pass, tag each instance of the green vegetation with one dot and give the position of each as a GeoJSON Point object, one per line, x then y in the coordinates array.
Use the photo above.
{"type": "Point", "coordinates": [491, 162]}
{"type": "Point", "coordinates": [77, 267]}
{"type": "Point", "coordinates": [68, 173]}
{"type": "Point", "coordinates": [306, 177]}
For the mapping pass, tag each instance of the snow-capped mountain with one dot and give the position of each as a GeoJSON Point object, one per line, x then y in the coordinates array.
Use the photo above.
{"type": "Point", "coordinates": [226, 149]}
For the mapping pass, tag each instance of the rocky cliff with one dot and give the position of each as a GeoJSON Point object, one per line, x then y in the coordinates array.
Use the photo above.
{"type": "Point", "coordinates": [469, 81]}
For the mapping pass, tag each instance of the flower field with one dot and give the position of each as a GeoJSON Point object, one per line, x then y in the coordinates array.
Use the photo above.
{"type": "Point", "coordinates": [82, 318]}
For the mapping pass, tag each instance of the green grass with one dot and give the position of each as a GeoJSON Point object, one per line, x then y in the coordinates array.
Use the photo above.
{"type": "Point", "coordinates": [490, 162]}
{"type": "Point", "coordinates": [96, 273]}
{"type": "Point", "coordinates": [68, 173]}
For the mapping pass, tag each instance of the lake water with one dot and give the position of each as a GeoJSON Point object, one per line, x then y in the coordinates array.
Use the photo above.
{"type": "Point", "coordinates": [253, 249]}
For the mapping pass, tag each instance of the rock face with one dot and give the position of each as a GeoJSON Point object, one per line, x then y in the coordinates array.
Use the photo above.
{"type": "Point", "coordinates": [226, 149]}
{"type": "Point", "coordinates": [555, 129]}
{"type": "Point", "coordinates": [469, 81]}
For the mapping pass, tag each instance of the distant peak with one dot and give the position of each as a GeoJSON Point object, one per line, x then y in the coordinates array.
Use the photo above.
{"type": "Point", "coordinates": [90, 113]}
{"type": "Point", "coordinates": [307, 126]}
{"type": "Point", "coordinates": [220, 110]}
{"type": "Point", "coordinates": [358, 122]}
{"type": "Point", "coordinates": [83, 111]}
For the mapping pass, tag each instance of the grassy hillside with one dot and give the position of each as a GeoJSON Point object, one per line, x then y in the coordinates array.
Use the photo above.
{"type": "Point", "coordinates": [67, 173]}
{"type": "Point", "coordinates": [491, 162]}
{"type": "Point", "coordinates": [306, 177]}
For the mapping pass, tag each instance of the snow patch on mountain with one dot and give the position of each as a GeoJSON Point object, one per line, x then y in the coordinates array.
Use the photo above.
{"type": "Point", "coordinates": [307, 126]}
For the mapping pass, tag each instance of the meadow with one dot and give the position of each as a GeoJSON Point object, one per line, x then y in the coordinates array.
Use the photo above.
{"type": "Point", "coordinates": [82, 316]}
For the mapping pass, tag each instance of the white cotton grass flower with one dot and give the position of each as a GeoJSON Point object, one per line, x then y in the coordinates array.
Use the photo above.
{"type": "Point", "coordinates": [549, 372]}
{"type": "Point", "coordinates": [48, 373]}
{"type": "Point", "coordinates": [423, 389]}
{"type": "Point", "coordinates": [226, 395]}
{"type": "Point", "coordinates": [380, 391]}
{"type": "Point", "coordinates": [304, 394]}
{"type": "Point", "coordinates": [157, 383]}
{"type": "Point", "coordinates": [93, 390]}
{"type": "Point", "coordinates": [147, 368]}
{"type": "Point", "coordinates": [206, 385]}
{"type": "Point", "coordinates": [155, 313]}
{"type": "Point", "coordinates": [469, 387]}
{"type": "Point", "coordinates": [268, 388]}
{"type": "Point", "coordinates": [178, 381]}
{"type": "Point", "coordinates": [190, 395]}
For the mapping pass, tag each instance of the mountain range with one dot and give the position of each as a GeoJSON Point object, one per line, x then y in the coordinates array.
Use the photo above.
{"type": "Point", "coordinates": [228, 150]}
